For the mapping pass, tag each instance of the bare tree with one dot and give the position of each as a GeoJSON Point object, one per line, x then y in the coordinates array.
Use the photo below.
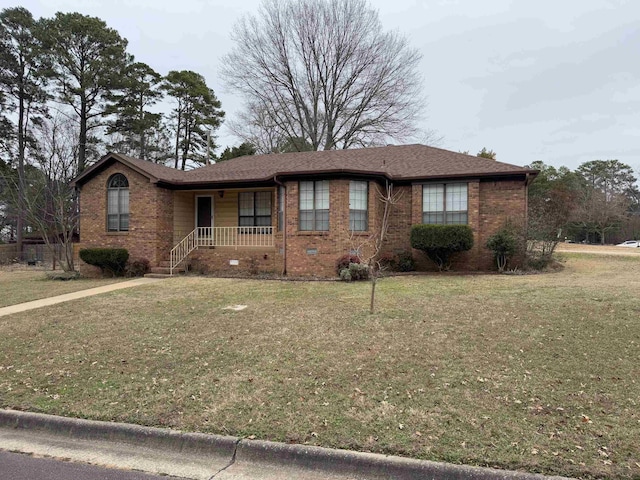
{"type": "Point", "coordinates": [601, 212]}
{"type": "Point", "coordinates": [50, 201]}
{"type": "Point", "coordinates": [326, 72]}
{"type": "Point", "coordinates": [254, 126]}
{"type": "Point", "coordinates": [369, 250]}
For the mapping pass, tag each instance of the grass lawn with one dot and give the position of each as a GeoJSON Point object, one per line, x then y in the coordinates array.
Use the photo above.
{"type": "Point", "coordinates": [539, 373]}
{"type": "Point", "coordinates": [20, 286]}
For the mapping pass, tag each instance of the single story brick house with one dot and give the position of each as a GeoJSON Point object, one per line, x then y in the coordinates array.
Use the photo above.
{"type": "Point", "coordinates": [293, 213]}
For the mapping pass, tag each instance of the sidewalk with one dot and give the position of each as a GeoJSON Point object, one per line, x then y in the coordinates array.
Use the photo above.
{"type": "Point", "coordinates": [208, 457]}
{"type": "Point", "coordinates": [45, 302]}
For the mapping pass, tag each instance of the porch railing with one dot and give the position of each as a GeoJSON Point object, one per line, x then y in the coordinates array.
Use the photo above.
{"type": "Point", "coordinates": [220, 237]}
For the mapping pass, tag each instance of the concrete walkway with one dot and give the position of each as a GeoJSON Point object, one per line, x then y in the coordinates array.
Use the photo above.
{"type": "Point", "coordinates": [45, 302]}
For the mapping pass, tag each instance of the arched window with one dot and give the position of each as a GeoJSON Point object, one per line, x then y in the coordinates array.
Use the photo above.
{"type": "Point", "coordinates": [118, 203]}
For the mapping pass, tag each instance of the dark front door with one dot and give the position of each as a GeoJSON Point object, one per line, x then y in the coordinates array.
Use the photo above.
{"type": "Point", "coordinates": [204, 211]}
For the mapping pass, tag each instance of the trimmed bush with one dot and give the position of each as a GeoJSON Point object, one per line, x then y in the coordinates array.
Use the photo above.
{"type": "Point", "coordinates": [344, 262]}
{"type": "Point", "coordinates": [504, 245]}
{"type": "Point", "coordinates": [109, 260]}
{"type": "Point", "coordinates": [439, 242]}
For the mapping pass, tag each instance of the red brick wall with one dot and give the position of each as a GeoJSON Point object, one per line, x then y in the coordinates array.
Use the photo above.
{"type": "Point", "coordinates": [150, 216]}
{"type": "Point", "coordinates": [329, 245]}
{"type": "Point", "coordinates": [502, 201]}
{"type": "Point", "coordinates": [490, 203]}
{"type": "Point", "coordinates": [250, 261]}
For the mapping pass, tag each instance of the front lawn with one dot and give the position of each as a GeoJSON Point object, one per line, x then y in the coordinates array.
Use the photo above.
{"type": "Point", "coordinates": [19, 286]}
{"type": "Point", "coordinates": [539, 373]}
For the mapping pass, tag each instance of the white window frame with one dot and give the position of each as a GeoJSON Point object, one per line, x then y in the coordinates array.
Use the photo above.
{"type": "Point", "coordinates": [319, 214]}
{"type": "Point", "coordinates": [121, 214]}
{"type": "Point", "coordinates": [356, 188]}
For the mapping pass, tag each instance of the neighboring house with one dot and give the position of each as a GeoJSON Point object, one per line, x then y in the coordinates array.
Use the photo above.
{"type": "Point", "coordinates": [294, 213]}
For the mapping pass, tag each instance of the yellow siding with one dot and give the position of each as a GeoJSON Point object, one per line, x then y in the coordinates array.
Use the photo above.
{"type": "Point", "coordinates": [225, 210]}
{"type": "Point", "coordinates": [183, 215]}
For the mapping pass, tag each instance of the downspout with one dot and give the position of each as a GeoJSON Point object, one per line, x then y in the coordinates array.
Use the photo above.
{"type": "Point", "coordinates": [527, 181]}
{"type": "Point", "coordinates": [284, 223]}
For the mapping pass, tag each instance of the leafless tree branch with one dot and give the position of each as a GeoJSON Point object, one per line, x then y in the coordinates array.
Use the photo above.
{"type": "Point", "coordinates": [326, 72]}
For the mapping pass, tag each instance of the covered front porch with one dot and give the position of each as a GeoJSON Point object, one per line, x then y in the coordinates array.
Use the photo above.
{"type": "Point", "coordinates": [227, 220]}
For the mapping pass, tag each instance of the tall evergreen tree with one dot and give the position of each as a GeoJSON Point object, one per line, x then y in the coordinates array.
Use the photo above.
{"type": "Point", "coordinates": [484, 153]}
{"type": "Point", "coordinates": [241, 150]}
{"type": "Point", "coordinates": [88, 60]}
{"type": "Point", "coordinates": [133, 120]}
{"type": "Point", "coordinates": [21, 81]}
{"type": "Point", "coordinates": [196, 114]}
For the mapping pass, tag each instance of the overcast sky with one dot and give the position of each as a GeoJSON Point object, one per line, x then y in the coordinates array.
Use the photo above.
{"type": "Point", "coordinates": [551, 80]}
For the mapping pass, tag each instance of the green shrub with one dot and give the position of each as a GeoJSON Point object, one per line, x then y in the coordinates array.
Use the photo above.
{"type": "Point", "coordinates": [355, 272]}
{"type": "Point", "coordinates": [137, 267]}
{"type": "Point", "coordinates": [439, 242]}
{"type": "Point", "coordinates": [344, 262]}
{"type": "Point", "coordinates": [109, 260]}
{"type": "Point", "coordinates": [406, 262]}
{"type": "Point", "coordinates": [504, 245]}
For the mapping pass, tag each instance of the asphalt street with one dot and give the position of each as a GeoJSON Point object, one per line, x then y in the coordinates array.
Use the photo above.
{"type": "Point", "coordinates": [18, 466]}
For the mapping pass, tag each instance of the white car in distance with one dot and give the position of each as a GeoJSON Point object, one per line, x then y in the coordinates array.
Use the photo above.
{"type": "Point", "coordinates": [630, 243]}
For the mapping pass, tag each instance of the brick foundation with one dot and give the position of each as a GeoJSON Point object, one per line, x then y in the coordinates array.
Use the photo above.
{"type": "Point", "coordinates": [250, 261]}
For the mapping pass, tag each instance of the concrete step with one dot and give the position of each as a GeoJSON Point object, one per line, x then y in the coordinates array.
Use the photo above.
{"type": "Point", "coordinates": [166, 270]}
{"type": "Point", "coordinates": [157, 275]}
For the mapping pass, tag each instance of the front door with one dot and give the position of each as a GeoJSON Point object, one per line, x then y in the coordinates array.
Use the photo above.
{"type": "Point", "coordinates": [204, 211]}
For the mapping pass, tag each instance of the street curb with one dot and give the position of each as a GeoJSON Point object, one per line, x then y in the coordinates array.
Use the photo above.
{"type": "Point", "coordinates": [149, 437]}
{"type": "Point", "coordinates": [367, 465]}
{"type": "Point", "coordinates": [238, 452]}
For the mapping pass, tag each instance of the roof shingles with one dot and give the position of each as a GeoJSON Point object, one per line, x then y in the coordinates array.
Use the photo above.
{"type": "Point", "coordinates": [405, 162]}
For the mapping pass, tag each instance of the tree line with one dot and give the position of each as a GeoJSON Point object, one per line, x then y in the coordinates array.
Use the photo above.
{"type": "Point", "coordinates": [76, 69]}
{"type": "Point", "coordinates": [599, 202]}
{"type": "Point", "coordinates": [69, 91]}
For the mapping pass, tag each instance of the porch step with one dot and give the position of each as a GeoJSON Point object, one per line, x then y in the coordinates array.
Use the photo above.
{"type": "Point", "coordinates": [157, 275]}
{"type": "Point", "coordinates": [166, 270]}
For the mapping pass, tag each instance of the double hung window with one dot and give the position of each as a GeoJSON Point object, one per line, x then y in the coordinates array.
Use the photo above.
{"type": "Point", "coordinates": [358, 206]}
{"type": "Point", "coordinates": [445, 203]}
{"type": "Point", "coordinates": [314, 205]}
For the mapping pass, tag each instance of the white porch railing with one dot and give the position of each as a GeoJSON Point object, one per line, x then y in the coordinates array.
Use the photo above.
{"type": "Point", "coordinates": [220, 237]}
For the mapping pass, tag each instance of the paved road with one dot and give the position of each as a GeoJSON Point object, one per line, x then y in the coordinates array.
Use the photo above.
{"type": "Point", "coordinates": [17, 466]}
{"type": "Point", "coordinates": [597, 249]}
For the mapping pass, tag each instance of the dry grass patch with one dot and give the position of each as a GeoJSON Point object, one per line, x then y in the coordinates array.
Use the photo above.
{"type": "Point", "coordinates": [538, 372]}
{"type": "Point", "coordinates": [19, 286]}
